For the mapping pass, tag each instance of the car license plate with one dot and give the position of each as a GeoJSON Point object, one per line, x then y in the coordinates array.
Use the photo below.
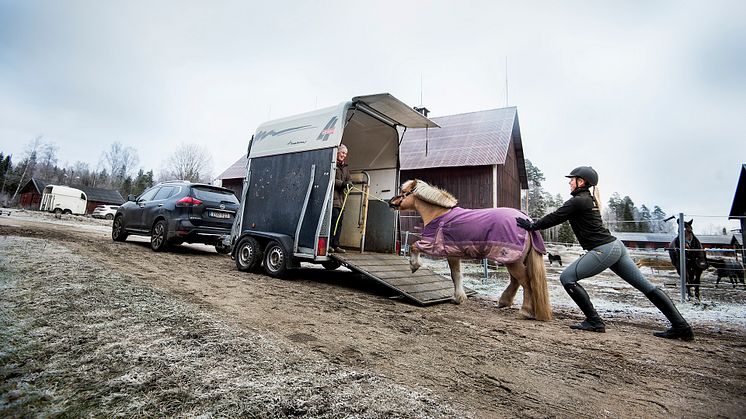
{"type": "Point", "coordinates": [216, 214]}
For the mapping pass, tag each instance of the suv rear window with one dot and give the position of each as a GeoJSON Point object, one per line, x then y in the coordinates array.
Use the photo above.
{"type": "Point", "coordinates": [213, 195]}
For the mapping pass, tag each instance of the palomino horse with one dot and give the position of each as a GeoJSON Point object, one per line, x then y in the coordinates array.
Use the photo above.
{"type": "Point", "coordinates": [456, 233]}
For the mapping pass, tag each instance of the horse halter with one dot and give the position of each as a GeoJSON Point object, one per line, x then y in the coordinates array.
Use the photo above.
{"type": "Point", "coordinates": [400, 198]}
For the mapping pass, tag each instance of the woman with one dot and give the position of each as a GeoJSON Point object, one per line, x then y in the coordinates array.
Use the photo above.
{"type": "Point", "coordinates": [603, 251]}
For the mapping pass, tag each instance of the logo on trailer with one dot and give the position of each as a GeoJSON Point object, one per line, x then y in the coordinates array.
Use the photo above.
{"type": "Point", "coordinates": [328, 130]}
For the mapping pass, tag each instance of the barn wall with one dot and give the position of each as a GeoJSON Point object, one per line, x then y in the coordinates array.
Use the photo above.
{"type": "Point", "coordinates": [508, 182]}
{"type": "Point", "coordinates": [30, 200]}
{"type": "Point", "coordinates": [236, 185]}
{"type": "Point", "coordinates": [471, 185]}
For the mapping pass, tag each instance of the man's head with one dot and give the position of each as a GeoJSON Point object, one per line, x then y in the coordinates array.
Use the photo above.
{"type": "Point", "coordinates": [341, 153]}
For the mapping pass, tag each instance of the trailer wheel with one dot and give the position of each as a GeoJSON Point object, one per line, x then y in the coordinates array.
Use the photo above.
{"type": "Point", "coordinates": [109, 216]}
{"type": "Point", "coordinates": [67, 212]}
{"type": "Point", "coordinates": [117, 230]}
{"type": "Point", "coordinates": [248, 254]}
{"type": "Point", "coordinates": [158, 236]}
{"type": "Point", "coordinates": [58, 211]}
{"type": "Point", "coordinates": [275, 259]}
{"type": "Point", "coordinates": [331, 264]}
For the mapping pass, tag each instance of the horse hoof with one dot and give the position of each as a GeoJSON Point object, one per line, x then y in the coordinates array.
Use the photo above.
{"type": "Point", "coordinates": [414, 268]}
{"type": "Point", "coordinates": [526, 315]}
{"type": "Point", "coordinates": [501, 304]}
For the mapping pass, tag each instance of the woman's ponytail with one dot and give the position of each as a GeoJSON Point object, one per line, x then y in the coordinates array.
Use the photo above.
{"type": "Point", "coordinates": [597, 197]}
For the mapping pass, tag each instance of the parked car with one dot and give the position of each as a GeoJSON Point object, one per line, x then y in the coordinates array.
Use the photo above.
{"type": "Point", "coordinates": [105, 211]}
{"type": "Point", "coordinates": [178, 212]}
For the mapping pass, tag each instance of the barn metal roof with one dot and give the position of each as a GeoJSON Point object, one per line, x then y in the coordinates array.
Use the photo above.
{"type": "Point", "coordinates": [668, 237]}
{"type": "Point", "coordinates": [237, 169]}
{"type": "Point", "coordinates": [467, 139]}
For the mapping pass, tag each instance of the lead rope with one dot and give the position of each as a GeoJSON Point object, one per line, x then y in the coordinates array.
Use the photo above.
{"type": "Point", "coordinates": [341, 210]}
{"type": "Point", "coordinates": [344, 202]}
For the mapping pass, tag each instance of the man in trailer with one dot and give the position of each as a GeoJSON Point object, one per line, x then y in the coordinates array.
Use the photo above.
{"type": "Point", "coordinates": [341, 184]}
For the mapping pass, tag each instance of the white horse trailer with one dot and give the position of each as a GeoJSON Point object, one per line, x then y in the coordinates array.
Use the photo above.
{"type": "Point", "coordinates": [63, 200]}
{"type": "Point", "coordinates": [286, 203]}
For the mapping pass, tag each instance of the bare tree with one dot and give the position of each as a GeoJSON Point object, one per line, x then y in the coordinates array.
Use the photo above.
{"type": "Point", "coordinates": [46, 159]}
{"type": "Point", "coordinates": [31, 149]}
{"type": "Point", "coordinates": [190, 162]}
{"type": "Point", "coordinates": [121, 161]}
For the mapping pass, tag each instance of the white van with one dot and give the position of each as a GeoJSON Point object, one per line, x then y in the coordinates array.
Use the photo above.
{"type": "Point", "coordinates": [63, 200]}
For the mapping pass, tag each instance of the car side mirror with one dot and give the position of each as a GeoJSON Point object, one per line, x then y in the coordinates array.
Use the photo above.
{"type": "Point", "coordinates": [131, 197]}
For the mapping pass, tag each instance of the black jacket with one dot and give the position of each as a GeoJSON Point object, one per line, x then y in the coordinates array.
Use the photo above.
{"type": "Point", "coordinates": [341, 176]}
{"type": "Point", "coordinates": [584, 217]}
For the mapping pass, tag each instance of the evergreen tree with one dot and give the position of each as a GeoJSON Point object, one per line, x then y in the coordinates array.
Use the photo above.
{"type": "Point", "coordinates": [565, 233]}
{"type": "Point", "coordinates": [659, 226]}
{"type": "Point", "coordinates": [537, 197]}
{"type": "Point", "coordinates": [627, 215]}
{"type": "Point", "coordinates": [645, 220]}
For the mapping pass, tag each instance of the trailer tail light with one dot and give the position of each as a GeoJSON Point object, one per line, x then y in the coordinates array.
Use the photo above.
{"type": "Point", "coordinates": [322, 246]}
{"type": "Point", "coordinates": [188, 201]}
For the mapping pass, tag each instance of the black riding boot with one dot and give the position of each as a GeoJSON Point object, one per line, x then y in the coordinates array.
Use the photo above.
{"type": "Point", "coordinates": [679, 329]}
{"type": "Point", "coordinates": [592, 322]}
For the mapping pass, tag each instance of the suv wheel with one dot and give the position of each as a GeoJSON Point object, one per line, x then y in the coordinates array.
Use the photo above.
{"type": "Point", "coordinates": [275, 259]}
{"type": "Point", "coordinates": [117, 230]}
{"type": "Point", "coordinates": [158, 236]}
{"type": "Point", "coordinates": [248, 255]}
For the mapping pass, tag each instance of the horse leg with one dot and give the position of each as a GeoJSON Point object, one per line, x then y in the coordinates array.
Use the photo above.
{"type": "Point", "coordinates": [506, 299]}
{"type": "Point", "coordinates": [696, 283]}
{"type": "Point", "coordinates": [414, 260]}
{"type": "Point", "coordinates": [459, 295]}
{"type": "Point", "coordinates": [518, 271]}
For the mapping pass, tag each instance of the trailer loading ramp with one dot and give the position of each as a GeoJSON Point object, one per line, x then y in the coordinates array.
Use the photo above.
{"type": "Point", "coordinates": [424, 286]}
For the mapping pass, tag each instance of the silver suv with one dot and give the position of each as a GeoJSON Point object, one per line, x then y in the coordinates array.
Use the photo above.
{"type": "Point", "coordinates": [105, 211]}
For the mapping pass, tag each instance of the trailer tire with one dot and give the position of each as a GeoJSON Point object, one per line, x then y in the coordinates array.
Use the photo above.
{"type": "Point", "coordinates": [158, 236]}
{"type": "Point", "coordinates": [109, 216]}
{"type": "Point", "coordinates": [58, 211]}
{"type": "Point", "coordinates": [117, 230]}
{"type": "Point", "coordinates": [248, 254]}
{"type": "Point", "coordinates": [275, 259]}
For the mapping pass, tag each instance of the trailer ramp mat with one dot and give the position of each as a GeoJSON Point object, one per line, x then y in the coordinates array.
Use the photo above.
{"type": "Point", "coordinates": [424, 286]}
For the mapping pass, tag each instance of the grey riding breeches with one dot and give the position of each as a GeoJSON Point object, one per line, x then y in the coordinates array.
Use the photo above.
{"type": "Point", "coordinates": [612, 255]}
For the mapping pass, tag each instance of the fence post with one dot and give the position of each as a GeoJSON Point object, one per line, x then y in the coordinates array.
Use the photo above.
{"type": "Point", "coordinates": [486, 275]}
{"type": "Point", "coordinates": [682, 256]}
{"type": "Point", "coordinates": [405, 248]}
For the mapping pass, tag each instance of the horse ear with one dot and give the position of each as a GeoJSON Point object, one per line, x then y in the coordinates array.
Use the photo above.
{"type": "Point", "coordinates": [689, 222]}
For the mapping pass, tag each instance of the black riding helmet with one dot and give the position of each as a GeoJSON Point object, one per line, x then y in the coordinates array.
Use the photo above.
{"type": "Point", "coordinates": [587, 173]}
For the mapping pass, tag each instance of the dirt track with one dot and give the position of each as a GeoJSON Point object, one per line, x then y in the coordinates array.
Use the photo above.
{"type": "Point", "coordinates": [325, 344]}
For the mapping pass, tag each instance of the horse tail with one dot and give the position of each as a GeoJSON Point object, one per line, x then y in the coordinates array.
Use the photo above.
{"type": "Point", "coordinates": [537, 279]}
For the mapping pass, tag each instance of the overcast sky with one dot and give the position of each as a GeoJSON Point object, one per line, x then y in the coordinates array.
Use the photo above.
{"type": "Point", "coordinates": [650, 93]}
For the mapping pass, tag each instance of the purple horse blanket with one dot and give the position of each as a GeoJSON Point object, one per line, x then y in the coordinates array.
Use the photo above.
{"type": "Point", "coordinates": [489, 233]}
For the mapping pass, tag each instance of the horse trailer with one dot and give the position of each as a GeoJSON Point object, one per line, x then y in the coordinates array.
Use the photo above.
{"type": "Point", "coordinates": [63, 200]}
{"type": "Point", "coordinates": [285, 216]}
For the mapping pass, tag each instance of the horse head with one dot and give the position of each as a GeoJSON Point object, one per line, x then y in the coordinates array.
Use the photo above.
{"type": "Point", "coordinates": [414, 189]}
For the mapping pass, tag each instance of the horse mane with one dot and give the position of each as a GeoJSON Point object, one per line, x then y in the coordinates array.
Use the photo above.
{"type": "Point", "coordinates": [434, 195]}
